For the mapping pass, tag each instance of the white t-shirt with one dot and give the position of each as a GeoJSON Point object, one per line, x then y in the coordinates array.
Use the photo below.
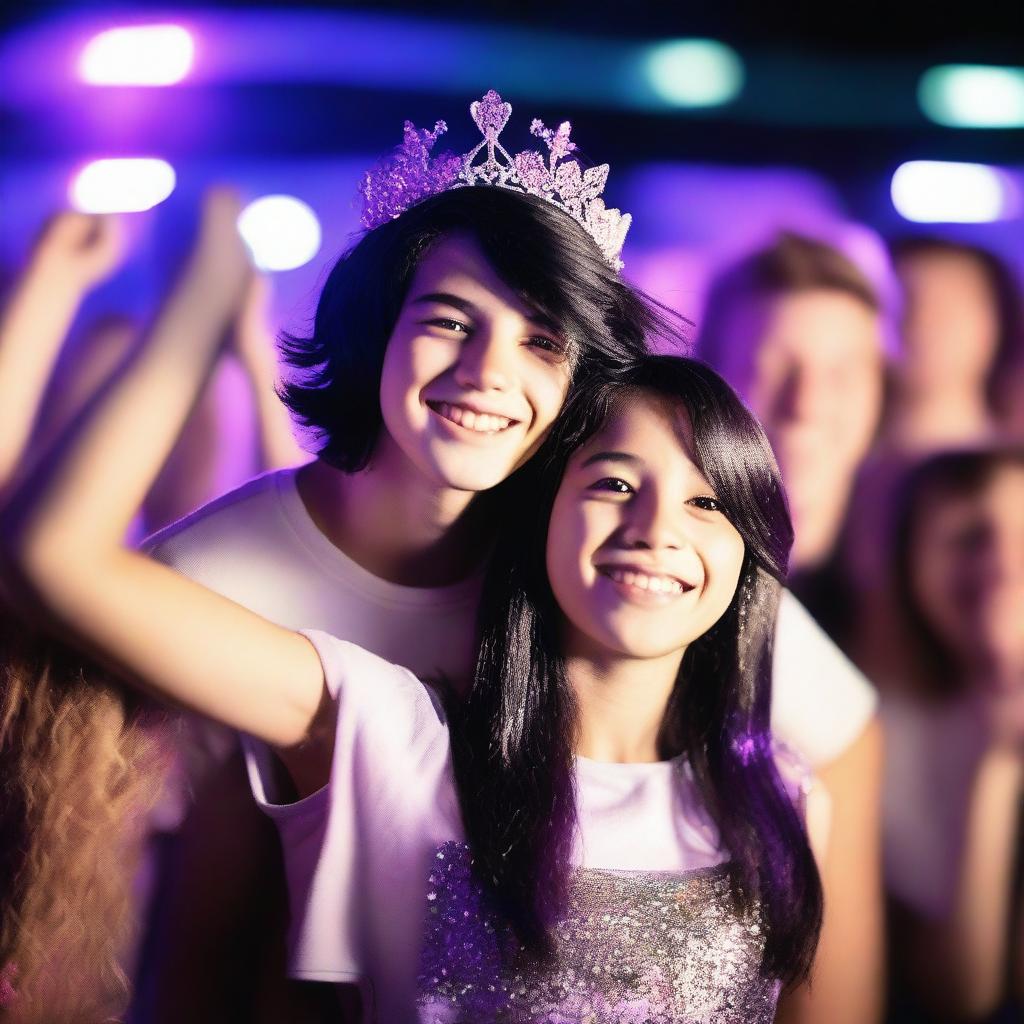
{"type": "Point", "coordinates": [381, 889]}
{"type": "Point", "coordinates": [259, 546]}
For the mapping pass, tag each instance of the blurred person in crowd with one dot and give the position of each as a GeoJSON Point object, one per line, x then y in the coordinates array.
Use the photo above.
{"type": "Point", "coordinates": [238, 427]}
{"type": "Point", "coordinates": [797, 328]}
{"type": "Point", "coordinates": [82, 760]}
{"type": "Point", "coordinates": [954, 720]}
{"type": "Point", "coordinates": [959, 378]}
{"type": "Point", "coordinates": [73, 254]}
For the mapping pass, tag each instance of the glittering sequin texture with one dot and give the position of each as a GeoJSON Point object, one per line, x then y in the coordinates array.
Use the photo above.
{"type": "Point", "coordinates": [632, 948]}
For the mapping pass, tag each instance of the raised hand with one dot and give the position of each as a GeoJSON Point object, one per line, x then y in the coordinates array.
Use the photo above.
{"type": "Point", "coordinates": [78, 249]}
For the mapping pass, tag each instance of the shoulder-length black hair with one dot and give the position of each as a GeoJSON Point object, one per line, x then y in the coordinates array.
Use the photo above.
{"type": "Point", "coordinates": [937, 670]}
{"type": "Point", "coordinates": [539, 251]}
{"type": "Point", "coordinates": [513, 733]}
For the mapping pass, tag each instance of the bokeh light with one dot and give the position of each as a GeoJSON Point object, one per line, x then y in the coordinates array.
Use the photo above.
{"type": "Point", "coordinates": [933, 191]}
{"type": "Point", "coordinates": [121, 185]}
{"type": "Point", "coordinates": [973, 96]}
{"type": "Point", "coordinates": [283, 232]}
{"type": "Point", "coordinates": [138, 55]}
{"type": "Point", "coordinates": [694, 72]}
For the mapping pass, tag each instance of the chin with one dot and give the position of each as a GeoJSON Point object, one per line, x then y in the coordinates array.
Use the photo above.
{"type": "Point", "coordinates": [463, 478]}
{"type": "Point", "coordinates": [642, 648]}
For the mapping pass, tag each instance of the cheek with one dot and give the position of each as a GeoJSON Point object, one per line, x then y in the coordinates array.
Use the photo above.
{"type": "Point", "coordinates": [568, 544]}
{"type": "Point", "coordinates": [723, 561]}
{"type": "Point", "coordinates": [856, 403]}
{"type": "Point", "coordinates": [395, 373]}
{"type": "Point", "coordinates": [933, 583]}
{"type": "Point", "coordinates": [410, 363]}
{"type": "Point", "coordinates": [545, 389]}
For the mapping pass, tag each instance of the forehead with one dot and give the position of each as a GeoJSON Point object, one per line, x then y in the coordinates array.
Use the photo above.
{"type": "Point", "coordinates": [822, 322]}
{"type": "Point", "coordinates": [642, 423]}
{"type": "Point", "coordinates": [941, 270]}
{"type": "Point", "coordinates": [456, 264]}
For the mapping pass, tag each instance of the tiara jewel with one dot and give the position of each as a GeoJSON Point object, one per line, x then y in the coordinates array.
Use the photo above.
{"type": "Point", "coordinates": [410, 174]}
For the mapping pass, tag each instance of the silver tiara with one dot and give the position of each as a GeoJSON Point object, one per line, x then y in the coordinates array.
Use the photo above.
{"type": "Point", "coordinates": [410, 174]}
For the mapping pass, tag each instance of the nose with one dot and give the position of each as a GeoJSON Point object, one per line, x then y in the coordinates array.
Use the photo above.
{"type": "Point", "coordinates": [486, 361]}
{"type": "Point", "coordinates": [652, 524]}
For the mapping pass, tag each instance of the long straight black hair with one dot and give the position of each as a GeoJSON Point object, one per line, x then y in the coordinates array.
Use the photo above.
{"type": "Point", "coordinates": [513, 733]}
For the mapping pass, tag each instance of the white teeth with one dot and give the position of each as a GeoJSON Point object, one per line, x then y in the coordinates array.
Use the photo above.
{"type": "Point", "coordinates": [480, 422]}
{"type": "Point", "coordinates": [653, 584]}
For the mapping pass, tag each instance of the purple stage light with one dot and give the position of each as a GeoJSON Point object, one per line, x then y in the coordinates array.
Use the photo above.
{"type": "Point", "coordinates": [121, 185]}
{"type": "Point", "coordinates": [138, 55]}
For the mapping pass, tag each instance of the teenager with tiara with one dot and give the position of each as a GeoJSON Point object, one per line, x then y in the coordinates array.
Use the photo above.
{"type": "Point", "coordinates": [374, 541]}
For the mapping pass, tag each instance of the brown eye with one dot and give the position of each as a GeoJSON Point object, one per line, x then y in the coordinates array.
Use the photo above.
{"type": "Point", "coordinates": [547, 344]}
{"type": "Point", "coordinates": [707, 503]}
{"type": "Point", "coordinates": [447, 323]}
{"type": "Point", "coordinates": [612, 483]}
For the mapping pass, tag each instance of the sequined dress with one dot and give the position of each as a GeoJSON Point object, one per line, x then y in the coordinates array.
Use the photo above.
{"type": "Point", "coordinates": [382, 892]}
{"type": "Point", "coordinates": [633, 948]}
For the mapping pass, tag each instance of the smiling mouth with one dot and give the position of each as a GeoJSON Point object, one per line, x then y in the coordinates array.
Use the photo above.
{"type": "Point", "coordinates": [478, 422]}
{"type": "Point", "coordinates": [651, 583]}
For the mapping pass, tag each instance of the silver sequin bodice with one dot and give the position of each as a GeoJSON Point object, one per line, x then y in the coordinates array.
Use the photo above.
{"type": "Point", "coordinates": [632, 948]}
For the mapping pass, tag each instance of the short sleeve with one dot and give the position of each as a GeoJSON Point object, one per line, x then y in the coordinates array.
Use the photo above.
{"type": "Point", "coordinates": [346, 846]}
{"type": "Point", "coordinates": [821, 702]}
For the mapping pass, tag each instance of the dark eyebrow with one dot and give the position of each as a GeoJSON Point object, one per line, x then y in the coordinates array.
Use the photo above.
{"type": "Point", "coordinates": [447, 299]}
{"type": "Point", "coordinates": [609, 457]}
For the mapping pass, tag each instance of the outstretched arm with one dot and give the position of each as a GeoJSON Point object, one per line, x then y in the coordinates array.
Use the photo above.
{"type": "Point", "coordinates": [64, 529]}
{"type": "Point", "coordinates": [74, 252]}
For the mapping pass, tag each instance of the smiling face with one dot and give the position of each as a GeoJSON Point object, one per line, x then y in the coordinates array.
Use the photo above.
{"type": "Point", "coordinates": [472, 377]}
{"type": "Point", "coordinates": [640, 555]}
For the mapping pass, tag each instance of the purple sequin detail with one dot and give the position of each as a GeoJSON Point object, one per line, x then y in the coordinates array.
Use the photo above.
{"type": "Point", "coordinates": [410, 175]}
{"type": "Point", "coordinates": [632, 947]}
{"type": "Point", "coordinates": [407, 176]}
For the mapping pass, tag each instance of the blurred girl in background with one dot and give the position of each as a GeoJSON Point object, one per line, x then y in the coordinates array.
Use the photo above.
{"type": "Point", "coordinates": [953, 707]}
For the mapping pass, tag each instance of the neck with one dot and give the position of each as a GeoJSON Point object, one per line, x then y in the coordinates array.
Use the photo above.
{"type": "Point", "coordinates": [396, 524]}
{"type": "Point", "coordinates": [621, 704]}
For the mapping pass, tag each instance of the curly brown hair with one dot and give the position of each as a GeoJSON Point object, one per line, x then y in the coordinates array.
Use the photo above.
{"type": "Point", "coordinates": [82, 762]}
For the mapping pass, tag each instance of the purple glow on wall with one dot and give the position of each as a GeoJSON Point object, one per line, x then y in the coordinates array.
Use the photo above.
{"type": "Point", "coordinates": [137, 55]}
